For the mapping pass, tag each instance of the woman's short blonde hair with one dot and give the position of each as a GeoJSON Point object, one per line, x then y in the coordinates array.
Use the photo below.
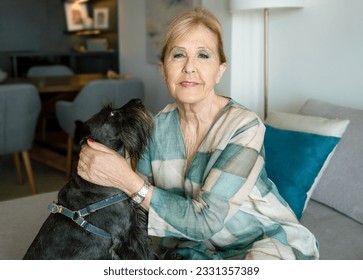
{"type": "Point", "coordinates": [184, 22]}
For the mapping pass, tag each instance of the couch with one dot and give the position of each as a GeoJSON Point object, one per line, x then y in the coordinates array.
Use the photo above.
{"type": "Point", "coordinates": [324, 185]}
{"type": "Point", "coordinates": [331, 205]}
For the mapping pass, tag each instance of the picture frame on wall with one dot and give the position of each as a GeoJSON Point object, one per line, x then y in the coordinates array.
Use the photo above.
{"type": "Point", "coordinates": [101, 18]}
{"type": "Point", "coordinates": [76, 16]}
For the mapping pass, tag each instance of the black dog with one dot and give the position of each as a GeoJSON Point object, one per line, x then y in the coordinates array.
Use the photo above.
{"type": "Point", "coordinates": [117, 231]}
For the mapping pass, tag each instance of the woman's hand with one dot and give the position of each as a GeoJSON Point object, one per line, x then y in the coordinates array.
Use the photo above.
{"type": "Point", "coordinates": [103, 166]}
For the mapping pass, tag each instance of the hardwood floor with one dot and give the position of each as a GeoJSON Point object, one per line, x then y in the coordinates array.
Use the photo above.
{"type": "Point", "coordinates": [47, 179]}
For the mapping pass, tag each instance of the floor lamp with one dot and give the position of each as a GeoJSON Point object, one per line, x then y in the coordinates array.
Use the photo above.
{"type": "Point", "coordinates": [242, 5]}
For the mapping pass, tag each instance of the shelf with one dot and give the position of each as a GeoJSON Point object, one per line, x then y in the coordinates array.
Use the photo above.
{"type": "Point", "coordinates": [80, 62]}
{"type": "Point", "coordinates": [90, 32]}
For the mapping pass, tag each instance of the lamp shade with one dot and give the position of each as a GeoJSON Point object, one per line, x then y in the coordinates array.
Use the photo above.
{"type": "Point", "coordinates": [240, 5]}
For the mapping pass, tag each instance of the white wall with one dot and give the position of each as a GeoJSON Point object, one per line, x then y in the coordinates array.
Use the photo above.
{"type": "Point", "coordinates": [317, 52]}
{"type": "Point", "coordinates": [132, 34]}
{"type": "Point", "coordinates": [247, 59]}
{"type": "Point", "coordinates": [314, 52]}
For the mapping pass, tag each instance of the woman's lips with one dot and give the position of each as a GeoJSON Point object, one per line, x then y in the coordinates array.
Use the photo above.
{"type": "Point", "coordinates": [188, 84]}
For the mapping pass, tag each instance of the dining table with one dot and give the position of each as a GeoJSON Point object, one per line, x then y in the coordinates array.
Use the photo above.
{"type": "Point", "coordinates": [57, 84]}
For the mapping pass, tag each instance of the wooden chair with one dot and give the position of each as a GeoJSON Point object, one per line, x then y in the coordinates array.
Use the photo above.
{"type": "Point", "coordinates": [19, 110]}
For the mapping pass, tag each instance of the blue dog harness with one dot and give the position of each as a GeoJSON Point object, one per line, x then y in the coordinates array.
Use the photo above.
{"type": "Point", "coordinates": [77, 216]}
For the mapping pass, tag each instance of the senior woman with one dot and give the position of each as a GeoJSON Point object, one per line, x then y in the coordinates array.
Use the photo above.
{"type": "Point", "coordinates": [202, 179]}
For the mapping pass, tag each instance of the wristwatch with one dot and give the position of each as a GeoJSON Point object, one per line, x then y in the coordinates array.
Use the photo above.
{"type": "Point", "coordinates": [141, 194]}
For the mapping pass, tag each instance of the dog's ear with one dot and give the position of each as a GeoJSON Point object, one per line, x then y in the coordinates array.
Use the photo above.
{"type": "Point", "coordinates": [81, 133]}
{"type": "Point", "coordinates": [135, 136]}
{"type": "Point", "coordinates": [136, 128]}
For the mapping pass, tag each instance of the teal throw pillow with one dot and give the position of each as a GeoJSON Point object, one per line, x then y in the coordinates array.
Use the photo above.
{"type": "Point", "coordinates": [293, 161]}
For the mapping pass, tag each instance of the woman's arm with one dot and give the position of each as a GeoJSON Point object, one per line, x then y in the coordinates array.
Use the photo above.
{"type": "Point", "coordinates": [103, 166]}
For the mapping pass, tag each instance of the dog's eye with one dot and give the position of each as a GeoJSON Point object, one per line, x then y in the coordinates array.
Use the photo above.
{"type": "Point", "coordinates": [112, 114]}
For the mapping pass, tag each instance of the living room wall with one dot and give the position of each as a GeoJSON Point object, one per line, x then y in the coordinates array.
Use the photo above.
{"type": "Point", "coordinates": [40, 26]}
{"type": "Point", "coordinates": [314, 52]}
{"type": "Point", "coordinates": [32, 26]}
{"type": "Point", "coordinates": [317, 53]}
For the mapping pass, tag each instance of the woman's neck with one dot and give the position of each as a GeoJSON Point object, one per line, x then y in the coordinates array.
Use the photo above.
{"type": "Point", "coordinates": [201, 112]}
{"type": "Point", "coordinates": [196, 120]}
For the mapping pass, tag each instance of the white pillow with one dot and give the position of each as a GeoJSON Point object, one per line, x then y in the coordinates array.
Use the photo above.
{"type": "Point", "coordinates": [309, 124]}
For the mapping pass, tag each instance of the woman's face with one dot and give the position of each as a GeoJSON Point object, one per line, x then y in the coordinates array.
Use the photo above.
{"type": "Point", "coordinates": [192, 67]}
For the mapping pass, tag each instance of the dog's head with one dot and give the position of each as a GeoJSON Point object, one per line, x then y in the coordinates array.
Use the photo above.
{"type": "Point", "coordinates": [128, 128]}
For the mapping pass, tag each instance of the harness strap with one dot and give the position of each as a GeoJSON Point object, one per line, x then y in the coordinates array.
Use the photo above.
{"type": "Point", "coordinates": [77, 216]}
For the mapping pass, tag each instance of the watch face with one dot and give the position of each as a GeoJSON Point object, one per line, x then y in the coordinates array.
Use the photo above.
{"type": "Point", "coordinates": [143, 191]}
{"type": "Point", "coordinates": [137, 198]}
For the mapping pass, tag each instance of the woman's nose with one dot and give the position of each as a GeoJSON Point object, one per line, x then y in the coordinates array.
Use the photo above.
{"type": "Point", "coordinates": [189, 66]}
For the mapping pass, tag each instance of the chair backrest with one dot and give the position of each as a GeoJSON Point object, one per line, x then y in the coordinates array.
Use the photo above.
{"type": "Point", "coordinates": [94, 96]}
{"type": "Point", "coordinates": [49, 70]}
{"type": "Point", "coordinates": [19, 110]}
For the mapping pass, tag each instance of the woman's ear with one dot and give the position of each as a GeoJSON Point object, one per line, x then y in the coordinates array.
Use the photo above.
{"type": "Point", "coordinates": [222, 68]}
{"type": "Point", "coordinates": [162, 70]}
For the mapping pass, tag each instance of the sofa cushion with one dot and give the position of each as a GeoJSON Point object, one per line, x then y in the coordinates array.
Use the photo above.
{"type": "Point", "coordinates": [339, 237]}
{"type": "Point", "coordinates": [341, 185]}
{"type": "Point", "coordinates": [20, 221]}
{"type": "Point", "coordinates": [298, 149]}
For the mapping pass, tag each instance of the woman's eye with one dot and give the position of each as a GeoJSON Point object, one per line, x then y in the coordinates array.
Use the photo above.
{"type": "Point", "coordinates": [178, 55]}
{"type": "Point", "coordinates": [204, 55]}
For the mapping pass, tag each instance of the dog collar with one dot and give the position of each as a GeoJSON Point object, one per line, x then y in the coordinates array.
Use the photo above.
{"type": "Point", "coordinates": [77, 216]}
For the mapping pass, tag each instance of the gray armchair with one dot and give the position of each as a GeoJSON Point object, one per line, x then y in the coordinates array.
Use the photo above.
{"type": "Point", "coordinates": [89, 101]}
{"type": "Point", "coordinates": [49, 70]}
{"type": "Point", "coordinates": [19, 110]}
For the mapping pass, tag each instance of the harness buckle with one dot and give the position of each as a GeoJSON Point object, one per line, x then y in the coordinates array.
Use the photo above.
{"type": "Point", "coordinates": [53, 208]}
{"type": "Point", "coordinates": [77, 214]}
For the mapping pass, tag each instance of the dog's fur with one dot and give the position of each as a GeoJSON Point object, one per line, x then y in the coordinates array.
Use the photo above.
{"type": "Point", "coordinates": [127, 128]}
